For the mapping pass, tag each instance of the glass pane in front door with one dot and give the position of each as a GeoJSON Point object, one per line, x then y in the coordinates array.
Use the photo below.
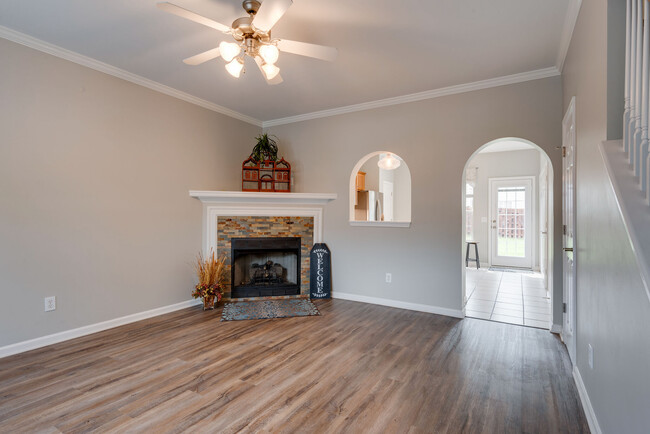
{"type": "Point", "coordinates": [511, 221]}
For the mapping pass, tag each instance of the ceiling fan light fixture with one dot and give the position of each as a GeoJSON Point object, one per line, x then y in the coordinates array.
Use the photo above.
{"type": "Point", "coordinates": [235, 67]}
{"type": "Point", "coordinates": [252, 34]}
{"type": "Point", "coordinates": [229, 50]}
{"type": "Point", "coordinates": [388, 162]}
{"type": "Point", "coordinates": [270, 70]}
{"type": "Point", "coordinates": [269, 53]}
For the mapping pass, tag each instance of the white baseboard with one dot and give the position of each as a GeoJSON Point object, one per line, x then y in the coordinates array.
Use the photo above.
{"type": "Point", "coordinates": [32, 344]}
{"type": "Point", "coordinates": [586, 402]}
{"type": "Point", "coordinates": [399, 304]}
{"type": "Point", "coordinates": [556, 328]}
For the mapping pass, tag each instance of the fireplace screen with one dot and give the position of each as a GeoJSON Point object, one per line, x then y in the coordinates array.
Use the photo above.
{"type": "Point", "coordinates": [265, 267]}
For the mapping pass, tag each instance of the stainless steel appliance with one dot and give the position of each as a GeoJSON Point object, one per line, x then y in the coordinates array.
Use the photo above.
{"type": "Point", "coordinates": [374, 206]}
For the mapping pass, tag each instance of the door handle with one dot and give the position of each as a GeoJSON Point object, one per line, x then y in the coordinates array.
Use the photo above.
{"type": "Point", "coordinates": [568, 249]}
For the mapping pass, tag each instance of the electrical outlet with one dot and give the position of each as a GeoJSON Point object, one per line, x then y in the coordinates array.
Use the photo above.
{"type": "Point", "coordinates": [50, 304]}
{"type": "Point", "coordinates": [591, 356]}
{"type": "Point", "coordinates": [389, 277]}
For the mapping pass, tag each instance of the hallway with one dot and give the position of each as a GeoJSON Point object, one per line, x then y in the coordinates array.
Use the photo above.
{"type": "Point", "coordinates": [510, 297]}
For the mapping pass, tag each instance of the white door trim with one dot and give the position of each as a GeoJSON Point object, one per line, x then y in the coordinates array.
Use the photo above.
{"type": "Point", "coordinates": [569, 329]}
{"type": "Point", "coordinates": [533, 210]}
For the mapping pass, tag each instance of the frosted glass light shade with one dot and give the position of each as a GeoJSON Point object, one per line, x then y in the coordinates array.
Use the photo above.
{"type": "Point", "coordinates": [388, 162]}
{"type": "Point", "coordinates": [270, 70]}
{"type": "Point", "coordinates": [235, 67]}
{"type": "Point", "coordinates": [229, 50]}
{"type": "Point", "coordinates": [269, 53]}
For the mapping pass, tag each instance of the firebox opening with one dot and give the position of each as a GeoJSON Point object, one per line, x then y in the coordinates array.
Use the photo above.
{"type": "Point", "coordinates": [265, 267]}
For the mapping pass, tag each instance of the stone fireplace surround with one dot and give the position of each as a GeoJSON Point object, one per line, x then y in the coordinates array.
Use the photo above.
{"type": "Point", "coordinates": [253, 214]}
{"type": "Point", "coordinates": [279, 227]}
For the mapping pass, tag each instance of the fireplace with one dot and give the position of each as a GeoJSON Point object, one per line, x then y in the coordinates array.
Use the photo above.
{"type": "Point", "coordinates": [264, 267]}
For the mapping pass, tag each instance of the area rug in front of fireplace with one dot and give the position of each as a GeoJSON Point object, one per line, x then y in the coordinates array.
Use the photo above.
{"type": "Point", "coordinates": [264, 309]}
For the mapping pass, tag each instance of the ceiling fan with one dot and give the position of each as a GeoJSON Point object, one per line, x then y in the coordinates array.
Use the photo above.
{"type": "Point", "coordinates": [253, 36]}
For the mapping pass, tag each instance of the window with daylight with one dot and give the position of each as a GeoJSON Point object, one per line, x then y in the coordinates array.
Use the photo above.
{"type": "Point", "coordinates": [470, 185]}
{"type": "Point", "coordinates": [469, 212]}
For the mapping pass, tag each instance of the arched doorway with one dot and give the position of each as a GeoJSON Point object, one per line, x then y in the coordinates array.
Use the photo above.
{"type": "Point", "coordinates": [507, 217]}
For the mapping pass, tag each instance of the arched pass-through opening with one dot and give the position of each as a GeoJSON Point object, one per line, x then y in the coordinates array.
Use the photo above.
{"type": "Point", "coordinates": [500, 169]}
{"type": "Point", "coordinates": [380, 191]}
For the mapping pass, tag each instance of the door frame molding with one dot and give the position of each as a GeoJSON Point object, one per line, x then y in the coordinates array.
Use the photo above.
{"type": "Point", "coordinates": [532, 178]}
{"type": "Point", "coordinates": [570, 115]}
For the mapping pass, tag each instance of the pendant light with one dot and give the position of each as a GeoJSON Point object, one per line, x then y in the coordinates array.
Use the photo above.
{"type": "Point", "coordinates": [388, 162]}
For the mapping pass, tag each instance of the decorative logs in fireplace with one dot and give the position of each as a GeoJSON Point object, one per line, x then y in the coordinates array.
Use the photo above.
{"type": "Point", "coordinates": [265, 266]}
{"type": "Point", "coordinates": [268, 273]}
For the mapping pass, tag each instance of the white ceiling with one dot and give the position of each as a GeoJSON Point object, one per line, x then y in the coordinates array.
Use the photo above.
{"type": "Point", "coordinates": [387, 48]}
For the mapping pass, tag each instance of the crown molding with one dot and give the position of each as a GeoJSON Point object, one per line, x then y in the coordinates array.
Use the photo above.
{"type": "Point", "coordinates": [89, 62]}
{"type": "Point", "coordinates": [567, 32]}
{"type": "Point", "coordinates": [429, 94]}
{"type": "Point", "coordinates": [46, 47]}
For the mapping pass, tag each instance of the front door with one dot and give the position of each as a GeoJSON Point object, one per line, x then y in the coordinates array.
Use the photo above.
{"type": "Point", "coordinates": [568, 221]}
{"type": "Point", "coordinates": [511, 217]}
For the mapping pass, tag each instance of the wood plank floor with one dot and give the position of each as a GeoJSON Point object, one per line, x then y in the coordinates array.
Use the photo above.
{"type": "Point", "coordinates": [356, 368]}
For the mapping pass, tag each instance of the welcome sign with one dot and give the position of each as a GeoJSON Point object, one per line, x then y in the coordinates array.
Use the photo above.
{"type": "Point", "coordinates": [320, 274]}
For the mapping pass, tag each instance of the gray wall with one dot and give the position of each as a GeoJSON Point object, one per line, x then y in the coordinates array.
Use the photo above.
{"type": "Point", "coordinates": [436, 138]}
{"type": "Point", "coordinates": [498, 165]}
{"type": "Point", "coordinates": [94, 181]}
{"type": "Point", "coordinates": [613, 310]}
{"type": "Point", "coordinates": [95, 174]}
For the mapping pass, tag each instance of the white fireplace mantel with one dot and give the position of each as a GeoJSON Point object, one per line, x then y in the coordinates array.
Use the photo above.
{"type": "Point", "coordinates": [254, 197]}
{"type": "Point", "coordinates": [243, 203]}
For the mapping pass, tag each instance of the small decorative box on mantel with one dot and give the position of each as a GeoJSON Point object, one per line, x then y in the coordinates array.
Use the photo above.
{"type": "Point", "coordinates": [282, 176]}
{"type": "Point", "coordinates": [267, 175]}
{"type": "Point", "coordinates": [250, 175]}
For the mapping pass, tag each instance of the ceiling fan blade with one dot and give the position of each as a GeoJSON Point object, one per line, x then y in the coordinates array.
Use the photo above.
{"type": "Point", "coordinates": [203, 57]}
{"type": "Point", "coordinates": [276, 80]}
{"type": "Point", "coordinates": [310, 50]}
{"type": "Point", "coordinates": [184, 13]}
{"type": "Point", "coordinates": [270, 12]}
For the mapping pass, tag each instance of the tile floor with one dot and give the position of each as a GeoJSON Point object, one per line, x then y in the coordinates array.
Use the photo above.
{"type": "Point", "coordinates": [515, 298]}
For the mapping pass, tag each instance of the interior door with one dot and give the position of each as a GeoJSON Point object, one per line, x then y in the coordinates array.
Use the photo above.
{"type": "Point", "coordinates": [568, 221]}
{"type": "Point", "coordinates": [543, 221]}
{"type": "Point", "coordinates": [511, 222]}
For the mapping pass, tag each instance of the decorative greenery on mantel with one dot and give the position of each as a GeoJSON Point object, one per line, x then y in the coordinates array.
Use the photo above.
{"type": "Point", "coordinates": [266, 148]}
